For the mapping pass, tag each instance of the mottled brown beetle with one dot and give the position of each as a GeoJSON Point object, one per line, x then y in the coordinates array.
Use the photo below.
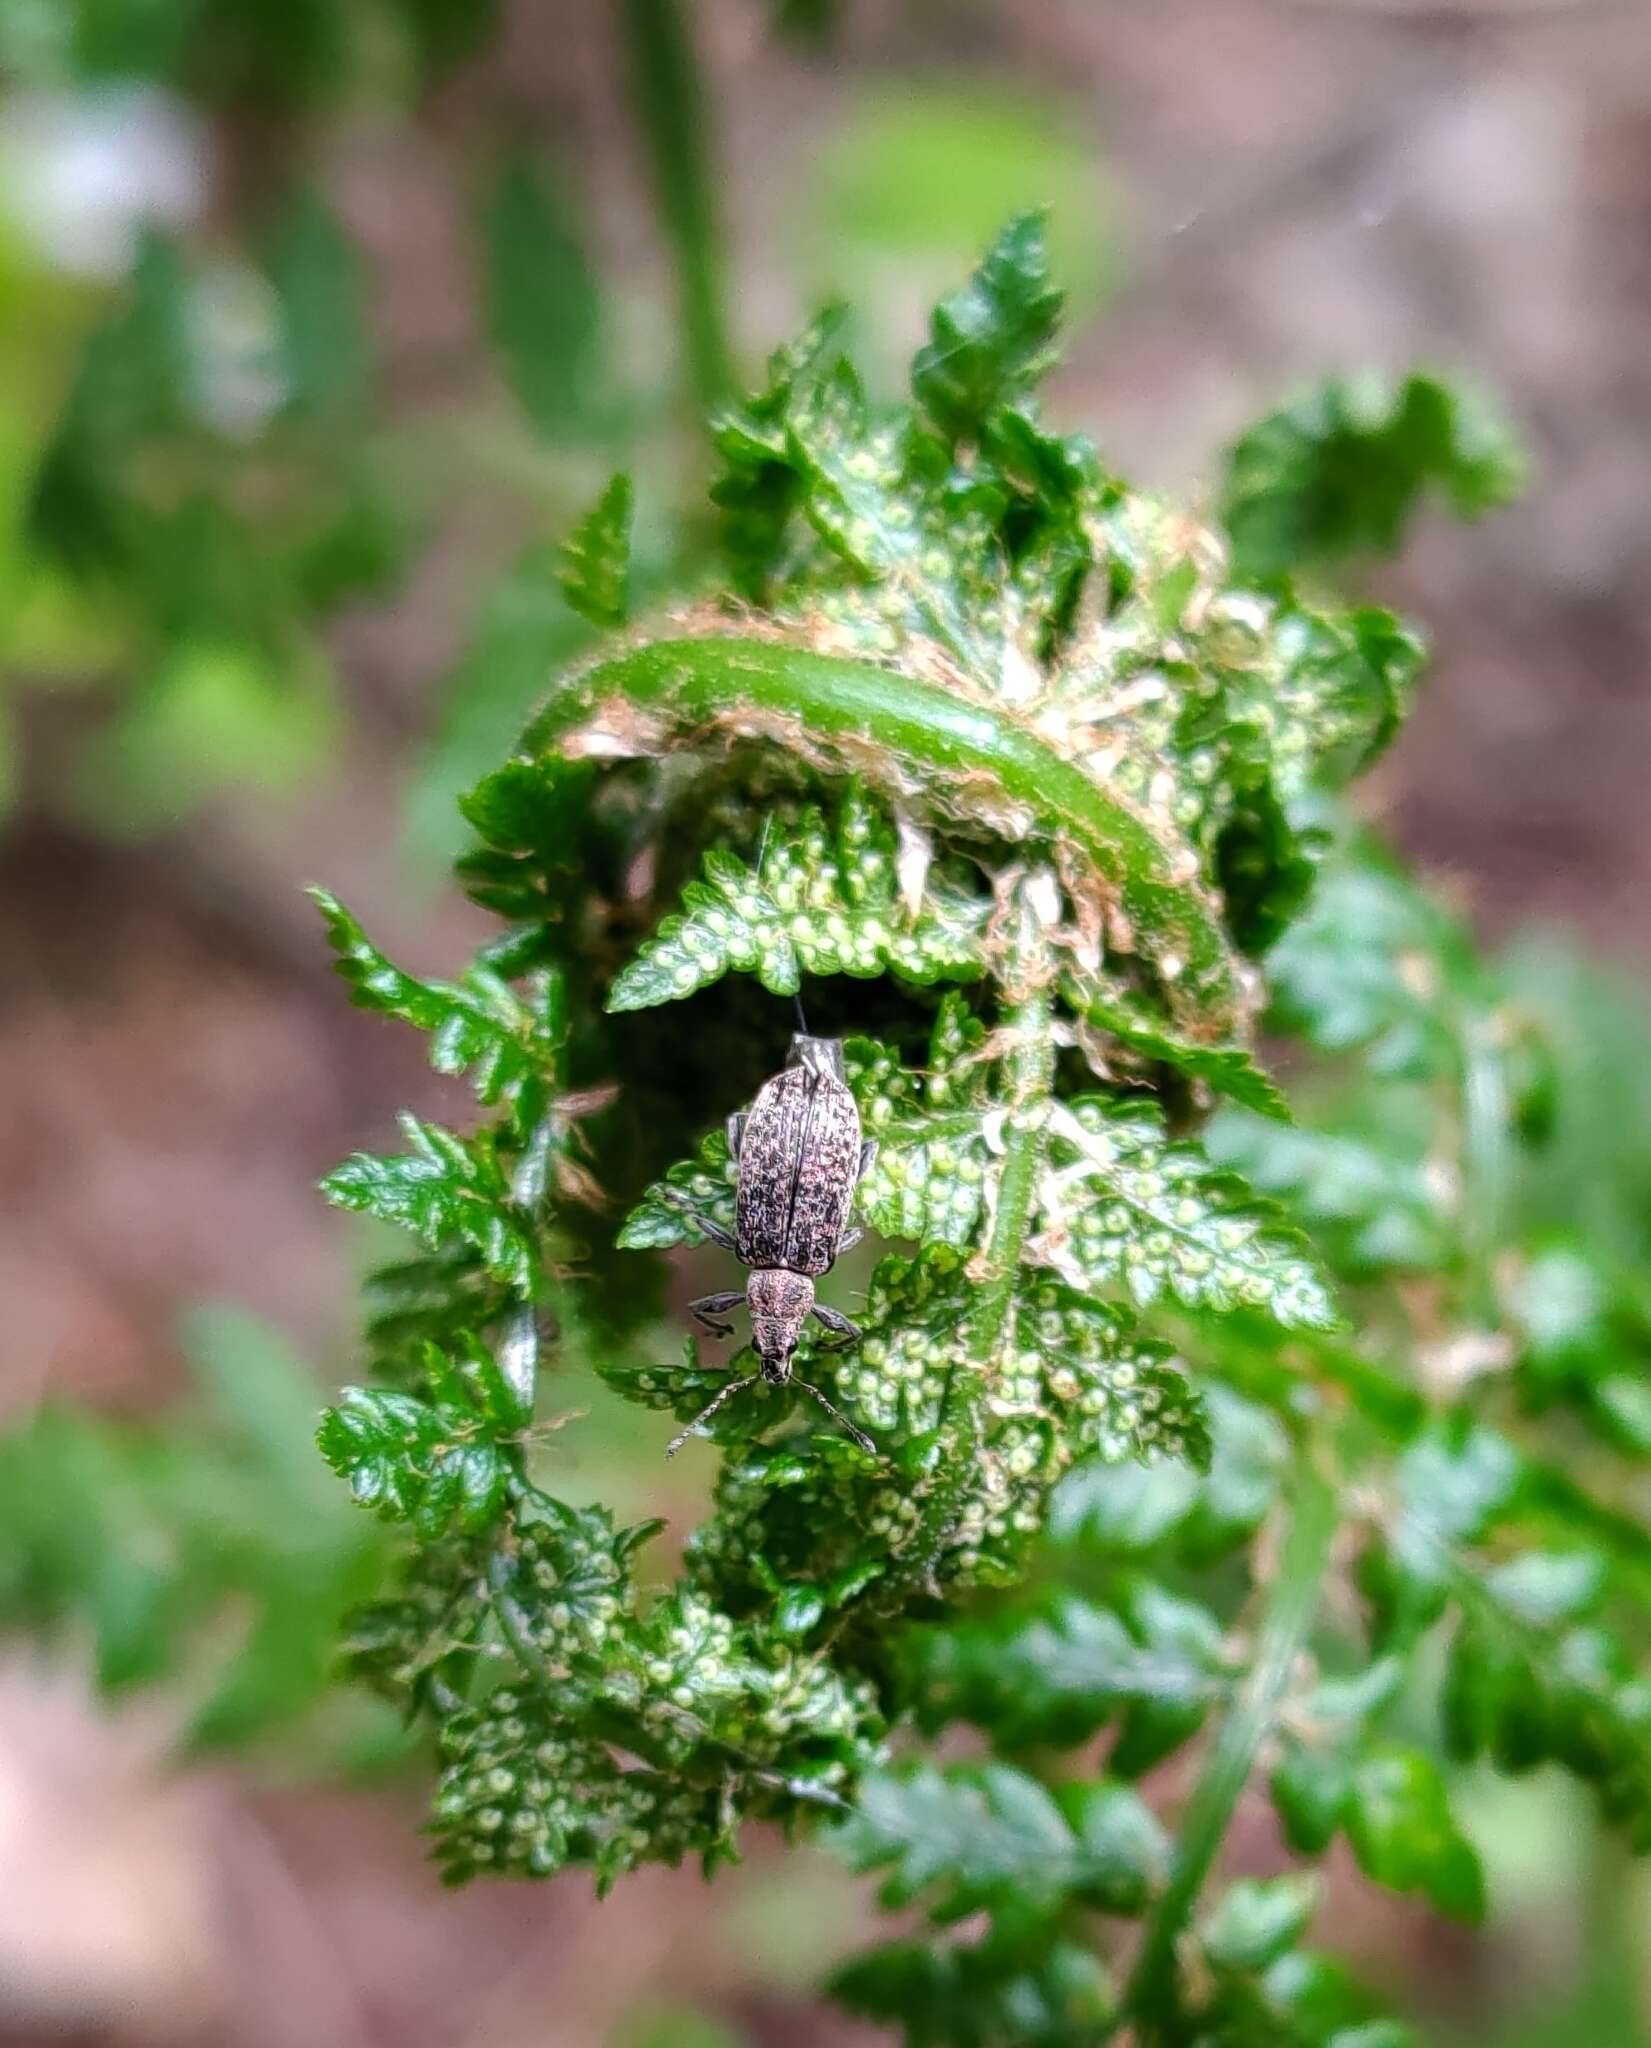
{"type": "Point", "coordinates": [800, 1158]}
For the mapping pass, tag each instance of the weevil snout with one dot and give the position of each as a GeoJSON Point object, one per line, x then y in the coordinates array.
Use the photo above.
{"type": "Point", "coordinates": [779, 1302]}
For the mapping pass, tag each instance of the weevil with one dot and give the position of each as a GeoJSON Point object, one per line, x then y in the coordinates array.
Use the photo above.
{"type": "Point", "coordinates": [800, 1157]}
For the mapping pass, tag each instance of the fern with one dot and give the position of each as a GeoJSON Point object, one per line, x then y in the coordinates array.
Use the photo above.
{"type": "Point", "coordinates": [814, 905]}
{"type": "Point", "coordinates": [999, 759]}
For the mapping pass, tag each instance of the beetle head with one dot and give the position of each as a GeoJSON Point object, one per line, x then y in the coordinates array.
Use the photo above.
{"type": "Point", "coordinates": [779, 1303]}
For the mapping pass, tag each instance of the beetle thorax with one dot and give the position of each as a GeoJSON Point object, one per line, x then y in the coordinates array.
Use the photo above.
{"type": "Point", "coordinates": [779, 1302]}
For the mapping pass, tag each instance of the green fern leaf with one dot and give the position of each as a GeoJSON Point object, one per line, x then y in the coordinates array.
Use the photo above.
{"type": "Point", "coordinates": [1404, 1836]}
{"type": "Point", "coordinates": [441, 1463]}
{"type": "Point", "coordinates": [1115, 1394]}
{"type": "Point", "coordinates": [1524, 1694]}
{"type": "Point", "coordinates": [991, 340]}
{"type": "Point", "coordinates": [596, 569]}
{"type": "Point", "coordinates": [1341, 470]}
{"type": "Point", "coordinates": [664, 1216]}
{"type": "Point", "coordinates": [1258, 1920]}
{"type": "Point", "coordinates": [1263, 1989]}
{"type": "Point", "coordinates": [411, 1462]}
{"type": "Point", "coordinates": [1120, 1205]}
{"type": "Point", "coordinates": [824, 902]}
{"type": "Point", "coordinates": [530, 817]}
{"type": "Point", "coordinates": [758, 490]}
{"type": "Point", "coordinates": [1200, 1516]}
{"type": "Point", "coordinates": [523, 1793]}
{"type": "Point", "coordinates": [564, 1580]}
{"type": "Point", "coordinates": [968, 1836]}
{"type": "Point", "coordinates": [1229, 1070]}
{"type": "Point", "coordinates": [935, 1163]}
{"type": "Point", "coordinates": [1373, 965]}
{"type": "Point", "coordinates": [1366, 1189]}
{"type": "Point", "coordinates": [1059, 1669]}
{"type": "Point", "coordinates": [414, 1646]}
{"type": "Point", "coordinates": [1021, 1986]}
{"type": "Point", "coordinates": [446, 1187]}
{"type": "Point", "coordinates": [480, 1025]}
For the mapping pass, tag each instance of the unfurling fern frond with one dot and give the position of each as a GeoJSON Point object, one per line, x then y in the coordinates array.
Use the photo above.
{"type": "Point", "coordinates": [1004, 762]}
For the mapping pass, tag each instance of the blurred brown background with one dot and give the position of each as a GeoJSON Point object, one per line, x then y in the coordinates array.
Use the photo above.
{"type": "Point", "coordinates": [1248, 193]}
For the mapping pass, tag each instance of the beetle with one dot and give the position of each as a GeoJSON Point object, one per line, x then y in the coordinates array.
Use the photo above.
{"type": "Point", "coordinates": [800, 1157]}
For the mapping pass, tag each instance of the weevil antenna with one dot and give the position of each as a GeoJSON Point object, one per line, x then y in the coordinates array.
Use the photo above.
{"type": "Point", "coordinates": [837, 1415]}
{"type": "Point", "coordinates": [710, 1409]}
{"type": "Point", "coordinates": [802, 1021]}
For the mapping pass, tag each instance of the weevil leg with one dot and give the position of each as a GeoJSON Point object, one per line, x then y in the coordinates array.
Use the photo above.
{"type": "Point", "coordinates": [710, 1307]}
{"type": "Point", "coordinates": [736, 1133]}
{"type": "Point", "coordinates": [849, 1239]}
{"type": "Point", "coordinates": [712, 1229]}
{"type": "Point", "coordinates": [868, 1159]}
{"type": "Point", "coordinates": [836, 1321]}
{"type": "Point", "coordinates": [706, 1225]}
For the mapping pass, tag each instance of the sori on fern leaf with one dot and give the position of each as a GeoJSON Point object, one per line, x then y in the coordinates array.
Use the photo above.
{"type": "Point", "coordinates": [997, 756]}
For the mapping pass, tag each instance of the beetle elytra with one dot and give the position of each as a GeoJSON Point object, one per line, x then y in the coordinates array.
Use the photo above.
{"type": "Point", "coordinates": [800, 1157]}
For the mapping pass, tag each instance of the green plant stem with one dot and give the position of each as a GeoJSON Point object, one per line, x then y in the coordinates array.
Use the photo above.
{"type": "Point", "coordinates": [1029, 1070]}
{"type": "Point", "coordinates": [1487, 1161]}
{"type": "Point", "coordinates": [1152, 1998]}
{"type": "Point", "coordinates": [669, 96]}
{"type": "Point", "coordinates": [967, 754]}
{"type": "Point", "coordinates": [514, 1624]}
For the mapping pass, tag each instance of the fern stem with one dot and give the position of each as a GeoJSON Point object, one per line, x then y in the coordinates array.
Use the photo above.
{"type": "Point", "coordinates": [669, 95]}
{"type": "Point", "coordinates": [515, 1625]}
{"type": "Point", "coordinates": [1152, 1998]}
{"type": "Point", "coordinates": [1029, 1070]}
{"type": "Point", "coordinates": [1487, 1164]}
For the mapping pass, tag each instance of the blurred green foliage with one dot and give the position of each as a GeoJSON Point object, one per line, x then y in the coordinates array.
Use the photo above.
{"type": "Point", "coordinates": [544, 307]}
{"type": "Point", "coordinates": [212, 492]}
{"type": "Point", "coordinates": [195, 1550]}
{"type": "Point", "coordinates": [924, 171]}
{"type": "Point", "coordinates": [278, 55]}
{"type": "Point", "coordinates": [201, 468]}
{"type": "Point", "coordinates": [1341, 471]}
{"type": "Point", "coordinates": [204, 468]}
